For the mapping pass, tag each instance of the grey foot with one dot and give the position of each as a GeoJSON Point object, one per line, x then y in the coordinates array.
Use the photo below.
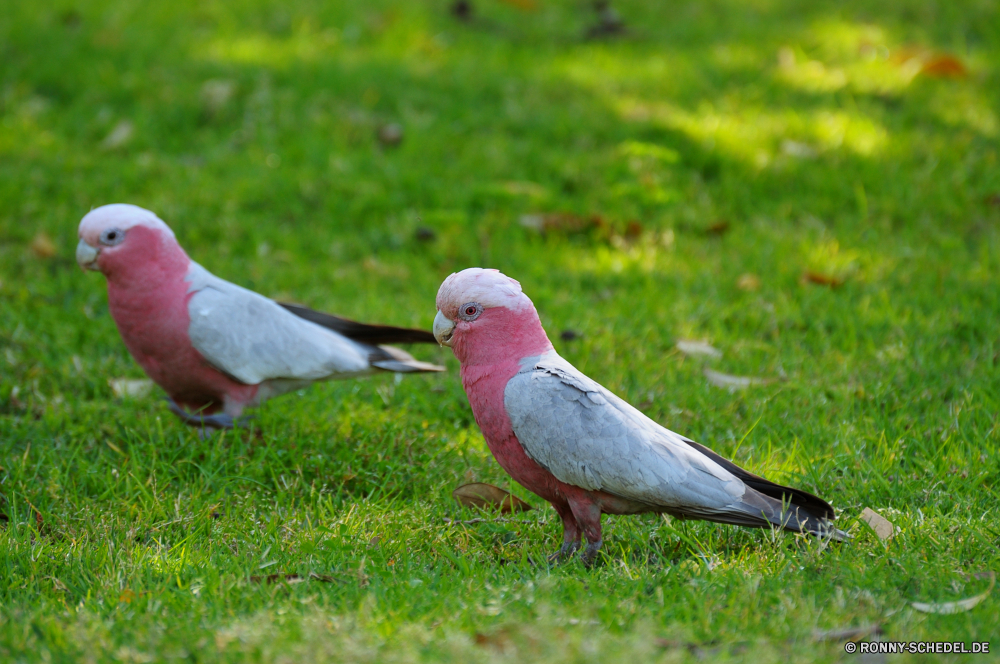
{"type": "Point", "coordinates": [589, 554]}
{"type": "Point", "coordinates": [205, 422]}
{"type": "Point", "coordinates": [564, 552]}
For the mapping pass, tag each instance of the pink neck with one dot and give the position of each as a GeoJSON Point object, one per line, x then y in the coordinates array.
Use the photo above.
{"type": "Point", "coordinates": [152, 259]}
{"type": "Point", "coordinates": [500, 336]}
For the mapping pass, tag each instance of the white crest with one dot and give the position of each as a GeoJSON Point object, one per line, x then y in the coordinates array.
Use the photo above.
{"type": "Point", "coordinates": [490, 288]}
{"type": "Point", "coordinates": [122, 216]}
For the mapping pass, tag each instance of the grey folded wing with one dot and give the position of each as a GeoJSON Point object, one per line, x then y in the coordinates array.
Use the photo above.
{"type": "Point", "coordinates": [587, 437]}
{"type": "Point", "coordinates": [252, 339]}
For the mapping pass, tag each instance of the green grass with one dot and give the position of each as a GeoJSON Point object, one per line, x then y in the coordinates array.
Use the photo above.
{"type": "Point", "coordinates": [801, 125]}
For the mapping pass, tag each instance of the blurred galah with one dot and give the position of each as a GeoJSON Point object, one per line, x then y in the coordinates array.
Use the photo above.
{"type": "Point", "coordinates": [580, 447]}
{"type": "Point", "coordinates": [212, 345]}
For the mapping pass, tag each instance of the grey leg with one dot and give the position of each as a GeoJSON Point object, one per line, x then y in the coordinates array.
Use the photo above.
{"type": "Point", "coordinates": [205, 422]}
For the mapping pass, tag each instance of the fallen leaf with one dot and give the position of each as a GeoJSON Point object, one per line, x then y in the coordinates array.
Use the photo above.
{"type": "Point", "coordinates": [882, 526]}
{"type": "Point", "coordinates": [748, 282]}
{"type": "Point", "coordinates": [119, 136]}
{"type": "Point", "coordinates": [131, 387]}
{"type": "Point", "coordinates": [693, 348]}
{"type": "Point", "coordinates": [127, 596]}
{"type": "Point", "coordinates": [43, 246]}
{"type": "Point", "coordinates": [822, 279]}
{"type": "Point", "coordinates": [390, 135]}
{"type": "Point", "coordinates": [943, 66]}
{"type": "Point", "coordinates": [957, 606]}
{"type": "Point", "coordinates": [480, 494]}
{"type": "Point", "coordinates": [735, 382]}
{"type": "Point", "coordinates": [720, 227]}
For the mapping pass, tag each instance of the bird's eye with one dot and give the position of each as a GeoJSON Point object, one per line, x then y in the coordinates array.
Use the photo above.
{"type": "Point", "coordinates": [470, 311]}
{"type": "Point", "coordinates": [112, 236]}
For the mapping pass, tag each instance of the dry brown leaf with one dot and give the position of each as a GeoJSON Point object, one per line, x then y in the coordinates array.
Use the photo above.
{"type": "Point", "coordinates": [720, 227]}
{"type": "Point", "coordinates": [131, 387]}
{"type": "Point", "coordinates": [748, 282]}
{"type": "Point", "coordinates": [126, 596]}
{"type": "Point", "coordinates": [480, 494]}
{"type": "Point", "coordinates": [43, 246]}
{"type": "Point", "coordinates": [883, 527]}
{"type": "Point", "coordinates": [943, 66]}
{"type": "Point", "coordinates": [822, 279]}
{"type": "Point", "coordinates": [958, 606]}
{"type": "Point", "coordinates": [735, 382]}
{"type": "Point", "coordinates": [693, 348]}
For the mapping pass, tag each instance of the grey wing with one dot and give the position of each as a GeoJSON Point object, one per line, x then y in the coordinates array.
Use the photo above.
{"type": "Point", "coordinates": [588, 437]}
{"type": "Point", "coordinates": [253, 339]}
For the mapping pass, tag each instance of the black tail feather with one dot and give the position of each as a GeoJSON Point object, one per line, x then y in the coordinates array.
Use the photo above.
{"type": "Point", "coordinates": [363, 332]}
{"type": "Point", "coordinates": [814, 505]}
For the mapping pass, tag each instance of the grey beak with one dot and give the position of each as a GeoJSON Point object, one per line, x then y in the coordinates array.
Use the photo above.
{"type": "Point", "coordinates": [443, 329]}
{"type": "Point", "coordinates": [86, 256]}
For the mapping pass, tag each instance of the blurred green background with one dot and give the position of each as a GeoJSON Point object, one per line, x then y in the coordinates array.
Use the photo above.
{"type": "Point", "coordinates": [812, 188]}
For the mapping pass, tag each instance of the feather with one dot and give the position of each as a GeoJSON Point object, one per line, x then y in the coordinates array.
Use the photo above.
{"type": "Point", "coordinates": [363, 332]}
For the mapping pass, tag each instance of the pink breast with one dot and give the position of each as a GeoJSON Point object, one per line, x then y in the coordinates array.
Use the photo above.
{"type": "Point", "coordinates": [484, 385]}
{"type": "Point", "coordinates": [147, 297]}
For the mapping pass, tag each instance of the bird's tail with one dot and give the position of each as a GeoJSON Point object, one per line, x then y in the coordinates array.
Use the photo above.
{"type": "Point", "coordinates": [393, 359]}
{"type": "Point", "coordinates": [768, 503]}
{"type": "Point", "coordinates": [362, 332]}
{"type": "Point", "coordinates": [764, 511]}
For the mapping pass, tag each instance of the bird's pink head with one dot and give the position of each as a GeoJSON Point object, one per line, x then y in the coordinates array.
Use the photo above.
{"type": "Point", "coordinates": [486, 319]}
{"type": "Point", "coordinates": [121, 240]}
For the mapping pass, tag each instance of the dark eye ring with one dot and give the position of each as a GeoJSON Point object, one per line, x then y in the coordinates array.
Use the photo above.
{"type": "Point", "coordinates": [470, 311]}
{"type": "Point", "coordinates": [112, 236]}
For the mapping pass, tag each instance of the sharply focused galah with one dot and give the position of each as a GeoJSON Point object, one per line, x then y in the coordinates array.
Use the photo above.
{"type": "Point", "coordinates": [212, 345]}
{"type": "Point", "coordinates": [569, 440]}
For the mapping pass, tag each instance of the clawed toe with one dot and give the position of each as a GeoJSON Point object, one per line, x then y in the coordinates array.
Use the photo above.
{"type": "Point", "coordinates": [564, 552]}
{"type": "Point", "coordinates": [589, 555]}
{"type": "Point", "coordinates": [207, 423]}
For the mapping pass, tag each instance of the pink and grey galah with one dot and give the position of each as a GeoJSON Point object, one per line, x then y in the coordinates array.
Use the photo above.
{"type": "Point", "coordinates": [572, 442]}
{"type": "Point", "coordinates": [214, 347]}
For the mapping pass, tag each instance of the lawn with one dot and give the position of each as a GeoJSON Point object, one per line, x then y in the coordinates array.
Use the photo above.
{"type": "Point", "coordinates": [811, 188]}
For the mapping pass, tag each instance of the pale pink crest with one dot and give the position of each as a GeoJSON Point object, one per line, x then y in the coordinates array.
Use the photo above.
{"type": "Point", "coordinates": [490, 288]}
{"type": "Point", "coordinates": [121, 216]}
